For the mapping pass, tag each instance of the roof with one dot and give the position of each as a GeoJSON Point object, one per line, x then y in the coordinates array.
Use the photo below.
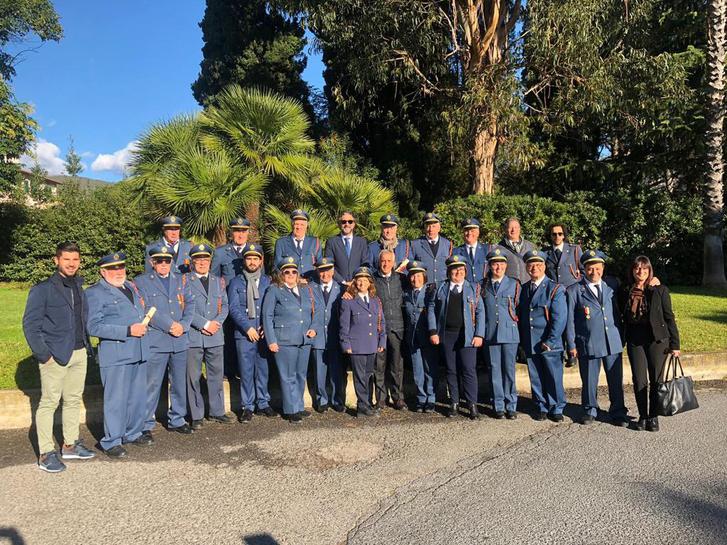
{"type": "Point", "coordinates": [60, 179]}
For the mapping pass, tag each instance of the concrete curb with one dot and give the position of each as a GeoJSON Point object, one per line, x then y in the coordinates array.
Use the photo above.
{"type": "Point", "coordinates": [17, 407]}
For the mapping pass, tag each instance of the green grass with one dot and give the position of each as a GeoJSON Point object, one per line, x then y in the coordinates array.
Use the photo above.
{"type": "Point", "coordinates": [701, 317]}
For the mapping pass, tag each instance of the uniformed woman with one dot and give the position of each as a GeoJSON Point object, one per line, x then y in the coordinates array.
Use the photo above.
{"type": "Point", "coordinates": [363, 334]}
{"type": "Point", "coordinates": [290, 321]}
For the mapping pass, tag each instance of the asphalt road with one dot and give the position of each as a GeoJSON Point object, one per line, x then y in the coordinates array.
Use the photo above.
{"type": "Point", "coordinates": [403, 478]}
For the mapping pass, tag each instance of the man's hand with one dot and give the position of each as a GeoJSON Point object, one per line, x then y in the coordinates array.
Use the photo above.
{"type": "Point", "coordinates": [310, 333]}
{"type": "Point", "coordinates": [544, 347]}
{"type": "Point", "coordinates": [137, 330]}
{"type": "Point", "coordinates": [477, 342]}
{"type": "Point", "coordinates": [676, 353]}
{"type": "Point", "coordinates": [176, 330]}
{"type": "Point", "coordinates": [273, 347]}
{"type": "Point", "coordinates": [434, 339]}
{"type": "Point", "coordinates": [380, 349]}
{"type": "Point", "coordinates": [349, 351]}
{"type": "Point", "coordinates": [654, 282]}
{"type": "Point", "coordinates": [252, 335]}
{"type": "Point", "coordinates": [214, 327]}
{"type": "Point", "coordinates": [347, 296]}
{"type": "Point", "coordinates": [573, 353]}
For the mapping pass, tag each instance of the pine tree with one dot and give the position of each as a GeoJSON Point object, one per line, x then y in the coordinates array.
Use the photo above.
{"type": "Point", "coordinates": [73, 160]}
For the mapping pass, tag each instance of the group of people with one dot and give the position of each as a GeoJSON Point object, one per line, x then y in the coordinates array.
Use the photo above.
{"type": "Point", "coordinates": [347, 302]}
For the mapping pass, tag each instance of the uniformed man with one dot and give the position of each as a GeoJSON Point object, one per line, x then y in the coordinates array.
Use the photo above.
{"type": "Point", "coordinates": [306, 250]}
{"type": "Point", "coordinates": [501, 294]}
{"type": "Point", "coordinates": [563, 261]}
{"type": "Point", "coordinates": [456, 318]}
{"type": "Point", "coordinates": [432, 250]}
{"type": "Point", "coordinates": [330, 369]}
{"type": "Point", "coordinates": [171, 295]}
{"type": "Point", "coordinates": [389, 240]}
{"type": "Point", "coordinates": [171, 229]}
{"type": "Point", "coordinates": [474, 252]}
{"type": "Point", "coordinates": [227, 261]}
{"type": "Point", "coordinates": [542, 319]}
{"type": "Point", "coordinates": [246, 293]}
{"type": "Point", "coordinates": [115, 310]}
{"type": "Point", "coordinates": [348, 251]}
{"type": "Point", "coordinates": [593, 337]}
{"type": "Point", "coordinates": [206, 342]}
{"type": "Point", "coordinates": [515, 248]}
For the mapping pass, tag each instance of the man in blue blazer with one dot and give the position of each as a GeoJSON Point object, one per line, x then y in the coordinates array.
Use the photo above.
{"type": "Point", "coordinates": [346, 250]}
{"type": "Point", "coordinates": [172, 297]}
{"type": "Point", "coordinates": [389, 240]}
{"type": "Point", "coordinates": [593, 337]}
{"type": "Point", "coordinates": [246, 293]}
{"type": "Point", "coordinates": [515, 247]}
{"type": "Point", "coordinates": [171, 229]}
{"type": "Point", "coordinates": [501, 294]}
{"type": "Point", "coordinates": [227, 261]}
{"type": "Point", "coordinates": [432, 250]}
{"type": "Point", "coordinates": [474, 252]}
{"type": "Point", "coordinates": [330, 371]}
{"type": "Point", "coordinates": [456, 317]}
{"type": "Point", "coordinates": [115, 310]}
{"type": "Point", "coordinates": [54, 325]}
{"type": "Point", "coordinates": [563, 262]}
{"type": "Point", "coordinates": [206, 343]}
{"type": "Point", "coordinates": [542, 318]}
{"type": "Point", "coordinates": [306, 250]}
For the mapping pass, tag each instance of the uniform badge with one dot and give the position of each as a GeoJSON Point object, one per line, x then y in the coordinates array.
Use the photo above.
{"type": "Point", "coordinates": [497, 251]}
{"type": "Point", "coordinates": [291, 260]}
{"type": "Point", "coordinates": [592, 253]}
{"type": "Point", "coordinates": [200, 247]}
{"type": "Point", "coordinates": [164, 249]}
{"type": "Point", "coordinates": [116, 256]}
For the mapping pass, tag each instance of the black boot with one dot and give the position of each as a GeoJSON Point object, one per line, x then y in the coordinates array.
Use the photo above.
{"type": "Point", "coordinates": [652, 424]}
{"type": "Point", "coordinates": [453, 411]}
{"type": "Point", "coordinates": [474, 413]}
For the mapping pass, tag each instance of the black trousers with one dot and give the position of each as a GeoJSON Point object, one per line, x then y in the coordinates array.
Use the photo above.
{"type": "Point", "coordinates": [647, 359]}
{"type": "Point", "coordinates": [461, 365]}
{"type": "Point", "coordinates": [363, 371]}
{"type": "Point", "coordinates": [389, 370]}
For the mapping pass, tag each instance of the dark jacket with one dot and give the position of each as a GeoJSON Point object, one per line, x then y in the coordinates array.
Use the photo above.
{"type": "Point", "coordinates": [661, 315]}
{"type": "Point", "coordinates": [49, 321]}
{"type": "Point", "coordinates": [391, 292]}
{"type": "Point", "coordinates": [345, 265]}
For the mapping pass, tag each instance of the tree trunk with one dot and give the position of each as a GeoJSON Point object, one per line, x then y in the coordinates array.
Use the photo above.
{"type": "Point", "coordinates": [713, 219]}
{"type": "Point", "coordinates": [483, 154]}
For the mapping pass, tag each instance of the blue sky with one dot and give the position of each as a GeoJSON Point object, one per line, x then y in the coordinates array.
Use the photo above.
{"type": "Point", "coordinates": [120, 67]}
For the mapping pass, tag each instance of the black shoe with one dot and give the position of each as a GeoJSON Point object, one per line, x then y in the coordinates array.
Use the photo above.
{"type": "Point", "coordinates": [376, 410]}
{"type": "Point", "coordinates": [116, 452]}
{"type": "Point", "coordinates": [499, 415]}
{"type": "Point", "coordinates": [267, 411]}
{"type": "Point", "coordinates": [556, 417]}
{"type": "Point", "coordinates": [399, 405]}
{"type": "Point", "coordinates": [322, 408]}
{"type": "Point", "coordinates": [304, 414]}
{"type": "Point", "coordinates": [640, 424]}
{"type": "Point", "coordinates": [245, 417]}
{"type": "Point", "coordinates": [453, 411]}
{"type": "Point", "coordinates": [587, 419]}
{"type": "Point", "coordinates": [620, 421]}
{"type": "Point", "coordinates": [652, 424]}
{"type": "Point", "coordinates": [184, 429]}
{"type": "Point", "coordinates": [295, 418]}
{"type": "Point", "coordinates": [339, 408]}
{"type": "Point", "coordinates": [429, 408]}
{"type": "Point", "coordinates": [540, 416]}
{"type": "Point", "coordinates": [474, 413]}
{"type": "Point", "coordinates": [365, 411]}
{"type": "Point", "coordinates": [419, 408]}
{"type": "Point", "coordinates": [142, 441]}
{"type": "Point", "coordinates": [222, 419]}
{"type": "Point", "coordinates": [197, 424]}
{"type": "Point", "coordinates": [511, 415]}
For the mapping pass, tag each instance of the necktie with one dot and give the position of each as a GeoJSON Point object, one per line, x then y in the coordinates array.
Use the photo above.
{"type": "Point", "coordinates": [599, 293]}
{"type": "Point", "coordinates": [416, 295]}
{"type": "Point", "coordinates": [297, 296]}
{"type": "Point", "coordinates": [366, 299]}
{"type": "Point", "coordinates": [533, 287]}
{"type": "Point", "coordinates": [472, 254]}
{"type": "Point", "coordinates": [433, 246]}
{"type": "Point", "coordinates": [558, 253]}
{"type": "Point", "coordinates": [205, 283]}
{"type": "Point", "coordinates": [326, 294]}
{"type": "Point", "coordinates": [455, 289]}
{"type": "Point", "coordinates": [496, 286]}
{"type": "Point", "coordinates": [299, 246]}
{"type": "Point", "coordinates": [238, 251]}
{"type": "Point", "coordinates": [347, 245]}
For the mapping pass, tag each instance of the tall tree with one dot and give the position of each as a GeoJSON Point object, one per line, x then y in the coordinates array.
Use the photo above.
{"type": "Point", "coordinates": [252, 43]}
{"type": "Point", "coordinates": [73, 163]}
{"type": "Point", "coordinates": [713, 272]}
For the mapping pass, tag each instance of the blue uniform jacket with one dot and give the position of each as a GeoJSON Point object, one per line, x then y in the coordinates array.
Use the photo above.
{"type": "Point", "coordinates": [566, 271]}
{"type": "Point", "coordinates": [181, 261]}
{"type": "Point", "coordinates": [237, 293]}
{"type": "Point", "coordinates": [226, 263]}
{"type": "Point", "coordinates": [501, 311]}
{"type": "Point", "coordinates": [346, 265]}
{"type": "Point", "coordinates": [327, 337]}
{"type": "Point", "coordinates": [110, 313]}
{"type": "Point", "coordinates": [48, 321]}
{"type": "Point", "coordinates": [363, 327]}
{"type": "Point", "coordinates": [543, 318]}
{"type": "Point", "coordinates": [401, 252]}
{"type": "Point", "coordinates": [477, 270]}
{"type": "Point", "coordinates": [210, 306]}
{"type": "Point", "coordinates": [312, 253]}
{"type": "Point", "coordinates": [286, 320]}
{"type": "Point", "coordinates": [436, 265]}
{"type": "Point", "coordinates": [473, 311]}
{"type": "Point", "coordinates": [175, 306]}
{"type": "Point", "coordinates": [593, 329]}
{"type": "Point", "coordinates": [515, 263]}
{"type": "Point", "coordinates": [416, 320]}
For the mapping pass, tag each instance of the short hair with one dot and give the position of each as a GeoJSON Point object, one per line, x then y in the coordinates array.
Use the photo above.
{"type": "Point", "coordinates": [508, 221]}
{"type": "Point", "coordinates": [67, 246]}
{"type": "Point", "coordinates": [382, 252]}
{"type": "Point", "coordinates": [347, 212]}
{"type": "Point", "coordinates": [561, 225]}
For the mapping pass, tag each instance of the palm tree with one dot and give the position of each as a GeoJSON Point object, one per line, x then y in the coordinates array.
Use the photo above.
{"type": "Point", "coordinates": [713, 269]}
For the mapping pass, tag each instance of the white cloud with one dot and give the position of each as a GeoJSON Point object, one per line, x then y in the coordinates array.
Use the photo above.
{"type": "Point", "coordinates": [117, 161]}
{"type": "Point", "coordinates": [48, 156]}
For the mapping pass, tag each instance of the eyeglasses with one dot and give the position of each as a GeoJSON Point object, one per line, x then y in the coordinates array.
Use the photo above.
{"type": "Point", "coordinates": [162, 260]}
{"type": "Point", "coordinates": [347, 222]}
{"type": "Point", "coordinates": [290, 272]}
{"type": "Point", "coordinates": [556, 234]}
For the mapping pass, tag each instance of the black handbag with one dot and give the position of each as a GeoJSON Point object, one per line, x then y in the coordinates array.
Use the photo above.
{"type": "Point", "coordinates": [676, 394]}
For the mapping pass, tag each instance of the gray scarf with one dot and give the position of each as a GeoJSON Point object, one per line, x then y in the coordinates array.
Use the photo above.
{"type": "Point", "coordinates": [388, 244]}
{"type": "Point", "coordinates": [252, 292]}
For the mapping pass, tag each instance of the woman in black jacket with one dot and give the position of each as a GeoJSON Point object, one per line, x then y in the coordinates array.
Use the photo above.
{"type": "Point", "coordinates": [651, 334]}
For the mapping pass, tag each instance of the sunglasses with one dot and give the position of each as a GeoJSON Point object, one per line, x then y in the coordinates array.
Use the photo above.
{"type": "Point", "coordinates": [347, 222]}
{"type": "Point", "coordinates": [290, 272]}
{"type": "Point", "coordinates": [162, 260]}
{"type": "Point", "coordinates": [115, 268]}
{"type": "Point", "coordinates": [556, 234]}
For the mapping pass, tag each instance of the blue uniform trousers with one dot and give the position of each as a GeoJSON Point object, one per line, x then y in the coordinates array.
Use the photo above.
{"type": "Point", "coordinates": [214, 370]}
{"type": "Point", "coordinates": [546, 381]}
{"type": "Point", "coordinates": [124, 403]}
{"type": "Point", "coordinates": [425, 369]}
{"type": "Point", "coordinates": [329, 372]}
{"type": "Point", "coordinates": [292, 363]}
{"type": "Point", "coordinates": [460, 362]}
{"type": "Point", "coordinates": [502, 376]}
{"type": "Point", "coordinates": [253, 369]}
{"type": "Point", "coordinates": [590, 369]}
{"type": "Point", "coordinates": [363, 375]}
{"type": "Point", "coordinates": [159, 363]}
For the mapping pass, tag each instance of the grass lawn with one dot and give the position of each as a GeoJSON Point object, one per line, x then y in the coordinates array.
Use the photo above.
{"type": "Point", "coordinates": [701, 317]}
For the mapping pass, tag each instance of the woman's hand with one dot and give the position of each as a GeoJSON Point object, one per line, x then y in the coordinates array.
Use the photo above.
{"type": "Point", "coordinates": [349, 351]}
{"type": "Point", "coordinates": [434, 339]}
{"type": "Point", "coordinates": [380, 349]}
{"type": "Point", "coordinates": [676, 353]}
